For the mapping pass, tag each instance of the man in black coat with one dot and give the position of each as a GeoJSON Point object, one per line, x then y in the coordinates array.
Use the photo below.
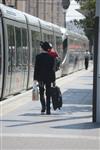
{"type": "Point", "coordinates": [45, 75]}
{"type": "Point", "coordinates": [86, 59]}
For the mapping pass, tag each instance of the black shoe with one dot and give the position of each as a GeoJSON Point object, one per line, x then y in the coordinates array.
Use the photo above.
{"type": "Point", "coordinates": [48, 112]}
{"type": "Point", "coordinates": [42, 111]}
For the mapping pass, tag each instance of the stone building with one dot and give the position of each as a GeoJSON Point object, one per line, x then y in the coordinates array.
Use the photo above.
{"type": "Point", "coordinates": [49, 10]}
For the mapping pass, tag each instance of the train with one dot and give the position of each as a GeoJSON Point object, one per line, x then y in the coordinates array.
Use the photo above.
{"type": "Point", "coordinates": [20, 36]}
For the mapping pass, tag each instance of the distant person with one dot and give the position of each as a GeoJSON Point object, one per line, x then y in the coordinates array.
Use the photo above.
{"type": "Point", "coordinates": [44, 73]}
{"type": "Point", "coordinates": [86, 59]}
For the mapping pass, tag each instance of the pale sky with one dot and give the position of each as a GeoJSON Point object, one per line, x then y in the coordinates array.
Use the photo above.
{"type": "Point", "coordinates": [72, 13]}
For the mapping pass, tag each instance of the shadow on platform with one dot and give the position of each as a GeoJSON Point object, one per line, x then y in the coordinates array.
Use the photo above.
{"type": "Point", "coordinates": [78, 126]}
{"type": "Point", "coordinates": [78, 96]}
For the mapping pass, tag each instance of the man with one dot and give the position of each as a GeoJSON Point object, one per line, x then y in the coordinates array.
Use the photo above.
{"type": "Point", "coordinates": [86, 59]}
{"type": "Point", "coordinates": [44, 73]}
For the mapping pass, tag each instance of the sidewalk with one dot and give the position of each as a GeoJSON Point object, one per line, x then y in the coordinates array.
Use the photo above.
{"type": "Point", "coordinates": [71, 128]}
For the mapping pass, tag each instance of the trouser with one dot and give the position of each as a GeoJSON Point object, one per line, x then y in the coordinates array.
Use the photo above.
{"type": "Point", "coordinates": [45, 89]}
{"type": "Point", "coordinates": [86, 65]}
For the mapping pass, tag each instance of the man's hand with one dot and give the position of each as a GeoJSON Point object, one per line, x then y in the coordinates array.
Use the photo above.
{"type": "Point", "coordinates": [34, 82]}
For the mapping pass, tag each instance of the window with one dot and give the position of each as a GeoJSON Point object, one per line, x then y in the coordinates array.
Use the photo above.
{"type": "Point", "coordinates": [11, 49]}
{"type": "Point", "coordinates": [48, 37]}
{"type": "Point", "coordinates": [59, 46]}
{"type": "Point", "coordinates": [18, 49]}
{"type": "Point", "coordinates": [25, 48]}
{"type": "Point", "coordinates": [35, 44]}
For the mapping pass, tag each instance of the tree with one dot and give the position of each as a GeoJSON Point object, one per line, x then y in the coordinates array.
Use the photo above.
{"type": "Point", "coordinates": [88, 8]}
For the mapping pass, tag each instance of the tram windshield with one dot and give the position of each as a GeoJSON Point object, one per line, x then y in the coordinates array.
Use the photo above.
{"type": "Point", "coordinates": [65, 44]}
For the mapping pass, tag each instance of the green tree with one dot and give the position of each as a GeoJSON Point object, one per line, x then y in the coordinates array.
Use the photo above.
{"type": "Point", "coordinates": [88, 8]}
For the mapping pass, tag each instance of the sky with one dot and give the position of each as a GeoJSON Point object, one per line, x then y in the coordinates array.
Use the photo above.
{"type": "Point", "coordinates": [72, 13]}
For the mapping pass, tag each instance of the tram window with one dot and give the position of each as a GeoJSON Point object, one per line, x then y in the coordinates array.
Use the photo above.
{"type": "Point", "coordinates": [52, 39]}
{"type": "Point", "coordinates": [18, 48]}
{"type": "Point", "coordinates": [11, 48]}
{"type": "Point", "coordinates": [24, 37]}
{"type": "Point", "coordinates": [71, 43]}
{"type": "Point", "coordinates": [25, 47]}
{"type": "Point", "coordinates": [59, 46]}
{"type": "Point", "coordinates": [45, 37]}
{"type": "Point", "coordinates": [35, 44]}
{"type": "Point", "coordinates": [18, 37]}
{"type": "Point", "coordinates": [71, 58]}
{"type": "Point", "coordinates": [10, 29]}
{"type": "Point", "coordinates": [48, 38]}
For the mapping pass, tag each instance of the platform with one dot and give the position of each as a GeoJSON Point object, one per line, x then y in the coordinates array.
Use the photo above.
{"type": "Point", "coordinates": [71, 128]}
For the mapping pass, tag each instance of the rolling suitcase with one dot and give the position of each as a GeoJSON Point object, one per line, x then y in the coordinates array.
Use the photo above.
{"type": "Point", "coordinates": [56, 97]}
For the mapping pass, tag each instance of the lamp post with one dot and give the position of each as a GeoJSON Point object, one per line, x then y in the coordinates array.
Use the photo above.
{"type": "Point", "coordinates": [64, 11]}
{"type": "Point", "coordinates": [65, 5]}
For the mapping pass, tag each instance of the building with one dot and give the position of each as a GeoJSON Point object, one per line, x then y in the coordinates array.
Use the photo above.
{"type": "Point", "coordinates": [49, 10]}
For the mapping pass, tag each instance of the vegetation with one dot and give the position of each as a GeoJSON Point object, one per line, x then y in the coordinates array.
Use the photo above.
{"type": "Point", "coordinates": [88, 8]}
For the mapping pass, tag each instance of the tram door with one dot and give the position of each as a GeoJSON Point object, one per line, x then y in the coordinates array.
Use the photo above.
{"type": "Point", "coordinates": [1, 60]}
{"type": "Point", "coordinates": [16, 57]}
{"type": "Point", "coordinates": [35, 39]}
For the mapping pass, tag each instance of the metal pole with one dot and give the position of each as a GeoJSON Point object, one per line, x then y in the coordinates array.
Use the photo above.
{"type": "Point", "coordinates": [52, 11]}
{"type": "Point", "coordinates": [37, 8]}
{"type": "Point", "coordinates": [64, 18]}
{"type": "Point", "coordinates": [95, 70]}
{"type": "Point", "coordinates": [96, 75]}
{"type": "Point", "coordinates": [44, 9]}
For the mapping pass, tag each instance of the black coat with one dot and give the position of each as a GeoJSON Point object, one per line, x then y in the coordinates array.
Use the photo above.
{"type": "Point", "coordinates": [44, 68]}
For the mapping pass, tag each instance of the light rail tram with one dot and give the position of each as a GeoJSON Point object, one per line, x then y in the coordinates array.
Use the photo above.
{"type": "Point", "coordinates": [20, 36]}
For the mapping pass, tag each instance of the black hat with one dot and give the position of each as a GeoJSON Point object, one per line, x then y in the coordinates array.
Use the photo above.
{"type": "Point", "coordinates": [45, 45]}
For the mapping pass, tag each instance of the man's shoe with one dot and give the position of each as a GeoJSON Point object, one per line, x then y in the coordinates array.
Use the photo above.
{"type": "Point", "coordinates": [42, 111]}
{"type": "Point", "coordinates": [48, 112]}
